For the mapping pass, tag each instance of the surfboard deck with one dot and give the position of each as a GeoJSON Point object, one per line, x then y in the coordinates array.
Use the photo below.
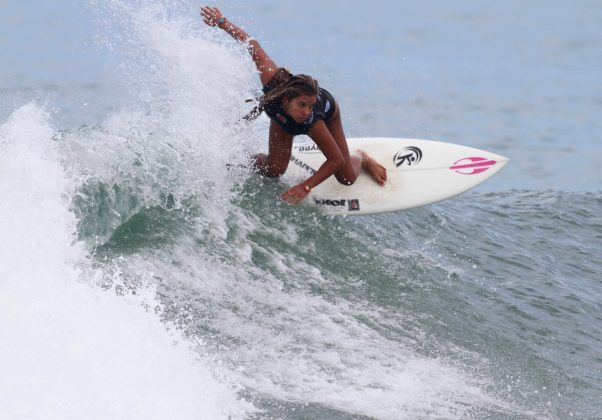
{"type": "Point", "coordinates": [419, 172]}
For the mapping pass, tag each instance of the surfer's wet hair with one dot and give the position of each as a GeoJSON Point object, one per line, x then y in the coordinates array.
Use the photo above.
{"type": "Point", "coordinates": [283, 85]}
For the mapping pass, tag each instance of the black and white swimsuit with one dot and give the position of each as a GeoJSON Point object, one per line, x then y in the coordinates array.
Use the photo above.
{"type": "Point", "coordinates": [324, 109]}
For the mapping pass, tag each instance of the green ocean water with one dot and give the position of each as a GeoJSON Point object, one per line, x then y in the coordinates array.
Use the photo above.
{"type": "Point", "coordinates": [487, 293]}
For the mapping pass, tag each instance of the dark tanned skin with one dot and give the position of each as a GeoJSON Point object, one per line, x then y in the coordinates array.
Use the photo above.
{"type": "Point", "coordinates": [328, 136]}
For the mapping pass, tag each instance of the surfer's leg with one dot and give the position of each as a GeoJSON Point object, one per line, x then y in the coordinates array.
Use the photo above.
{"type": "Point", "coordinates": [353, 164]}
{"type": "Point", "coordinates": [279, 153]}
{"type": "Point", "coordinates": [348, 173]}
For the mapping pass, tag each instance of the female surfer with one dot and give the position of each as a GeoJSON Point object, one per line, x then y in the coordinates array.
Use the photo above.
{"type": "Point", "coordinates": [296, 105]}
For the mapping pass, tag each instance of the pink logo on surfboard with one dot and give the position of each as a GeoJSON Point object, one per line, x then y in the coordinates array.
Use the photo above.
{"type": "Point", "coordinates": [472, 165]}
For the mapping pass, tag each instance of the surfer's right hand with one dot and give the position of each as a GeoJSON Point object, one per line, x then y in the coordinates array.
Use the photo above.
{"type": "Point", "coordinates": [211, 15]}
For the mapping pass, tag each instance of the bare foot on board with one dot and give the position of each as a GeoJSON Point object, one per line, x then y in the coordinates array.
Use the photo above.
{"type": "Point", "coordinates": [374, 169]}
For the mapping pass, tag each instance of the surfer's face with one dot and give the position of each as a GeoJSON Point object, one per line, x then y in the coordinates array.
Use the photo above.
{"type": "Point", "coordinates": [300, 107]}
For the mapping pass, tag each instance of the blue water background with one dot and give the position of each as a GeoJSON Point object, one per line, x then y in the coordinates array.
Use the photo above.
{"type": "Point", "coordinates": [518, 78]}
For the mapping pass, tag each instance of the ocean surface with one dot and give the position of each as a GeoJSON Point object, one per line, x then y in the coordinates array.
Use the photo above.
{"type": "Point", "coordinates": [140, 279]}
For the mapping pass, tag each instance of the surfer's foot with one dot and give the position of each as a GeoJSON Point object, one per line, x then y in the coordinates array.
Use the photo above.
{"type": "Point", "coordinates": [374, 169]}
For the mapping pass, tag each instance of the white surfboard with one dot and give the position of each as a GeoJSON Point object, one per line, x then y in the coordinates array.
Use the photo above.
{"type": "Point", "coordinates": [419, 172]}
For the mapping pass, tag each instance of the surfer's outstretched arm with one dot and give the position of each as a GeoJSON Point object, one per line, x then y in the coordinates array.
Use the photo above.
{"type": "Point", "coordinates": [212, 16]}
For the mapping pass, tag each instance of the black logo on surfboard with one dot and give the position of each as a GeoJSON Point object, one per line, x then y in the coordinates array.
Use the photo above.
{"type": "Point", "coordinates": [302, 165]}
{"type": "Point", "coordinates": [409, 156]}
{"type": "Point", "coordinates": [330, 202]}
{"type": "Point", "coordinates": [309, 148]}
{"type": "Point", "coordinates": [352, 204]}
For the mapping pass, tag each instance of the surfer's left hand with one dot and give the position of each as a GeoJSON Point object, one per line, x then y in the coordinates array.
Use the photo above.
{"type": "Point", "coordinates": [295, 195]}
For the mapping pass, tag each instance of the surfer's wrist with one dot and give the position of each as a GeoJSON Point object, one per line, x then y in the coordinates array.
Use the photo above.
{"type": "Point", "coordinates": [233, 30]}
{"type": "Point", "coordinates": [306, 187]}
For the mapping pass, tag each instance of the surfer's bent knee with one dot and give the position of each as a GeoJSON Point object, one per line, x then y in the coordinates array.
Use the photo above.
{"type": "Point", "coordinates": [345, 181]}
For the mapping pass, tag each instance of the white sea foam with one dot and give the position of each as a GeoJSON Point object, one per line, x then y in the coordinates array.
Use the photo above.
{"type": "Point", "coordinates": [284, 342]}
{"type": "Point", "coordinates": [70, 350]}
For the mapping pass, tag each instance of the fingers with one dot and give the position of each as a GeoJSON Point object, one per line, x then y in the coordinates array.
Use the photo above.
{"type": "Point", "coordinates": [292, 197]}
{"type": "Point", "coordinates": [212, 12]}
{"type": "Point", "coordinates": [210, 9]}
{"type": "Point", "coordinates": [207, 15]}
{"type": "Point", "coordinates": [211, 15]}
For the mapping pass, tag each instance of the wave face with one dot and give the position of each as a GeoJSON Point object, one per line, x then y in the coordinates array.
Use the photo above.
{"type": "Point", "coordinates": [71, 349]}
{"type": "Point", "coordinates": [143, 279]}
